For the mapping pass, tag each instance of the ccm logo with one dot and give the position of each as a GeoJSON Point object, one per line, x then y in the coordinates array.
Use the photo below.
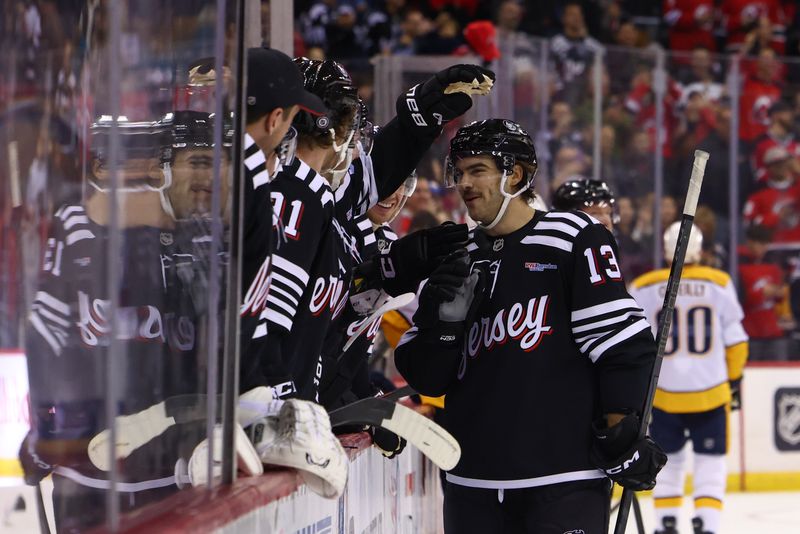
{"type": "Point", "coordinates": [626, 464]}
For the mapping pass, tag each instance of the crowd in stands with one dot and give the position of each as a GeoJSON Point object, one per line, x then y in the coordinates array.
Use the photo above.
{"type": "Point", "coordinates": [707, 43]}
{"type": "Point", "coordinates": [703, 40]}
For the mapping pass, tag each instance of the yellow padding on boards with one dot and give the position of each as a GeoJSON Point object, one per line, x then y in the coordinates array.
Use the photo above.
{"type": "Point", "coordinates": [777, 481]}
{"type": "Point", "coordinates": [708, 502]}
{"type": "Point", "coordinates": [668, 502]}
{"type": "Point", "coordinates": [10, 468]}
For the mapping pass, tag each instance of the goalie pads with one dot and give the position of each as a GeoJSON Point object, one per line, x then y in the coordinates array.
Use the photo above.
{"type": "Point", "coordinates": [301, 437]}
{"type": "Point", "coordinates": [196, 470]}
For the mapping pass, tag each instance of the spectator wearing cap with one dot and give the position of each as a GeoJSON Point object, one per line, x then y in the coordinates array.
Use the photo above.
{"type": "Point", "coordinates": [690, 24]}
{"type": "Point", "coordinates": [763, 292]}
{"type": "Point", "coordinates": [275, 94]}
{"type": "Point", "coordinates": [777, 206]}
{"type": "Point", "coordinates": [779, 133]}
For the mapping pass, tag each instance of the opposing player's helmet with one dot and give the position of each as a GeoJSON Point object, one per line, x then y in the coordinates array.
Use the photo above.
{"type": "Point", "coordinates": [694, 249]}
{"type": "Point", "coordinates": [580, 192]}
{"type": "Point", "coordinates": [507, 142]}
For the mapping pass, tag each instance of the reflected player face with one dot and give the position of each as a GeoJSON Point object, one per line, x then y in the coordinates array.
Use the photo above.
{"type": "Point", "coordinates": [385, 210]}
{"type": "Point", "coordinates": [479, 187]}
{"type": "Point", "coordinates": [192, 182]}
{"type": "Point", "coordinates": [603, 213]}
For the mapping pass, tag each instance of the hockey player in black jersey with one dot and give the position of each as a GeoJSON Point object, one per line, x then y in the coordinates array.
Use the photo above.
{"type": "Point", "coordinates": [589, 196]}
{"type": "Point", "coordinates": [69, 342]}
{"type": "Point", "coordinates": [316, 247]}
{"type": "Point", "coordinates": [275, 94]}
{"type": "Point", "coordinates": [543, 355]}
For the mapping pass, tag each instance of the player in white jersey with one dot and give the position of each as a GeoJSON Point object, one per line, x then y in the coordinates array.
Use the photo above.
{"type": "Point", "coordinates": [699, 381]}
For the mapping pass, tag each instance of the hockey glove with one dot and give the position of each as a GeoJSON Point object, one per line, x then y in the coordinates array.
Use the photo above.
{"type": "Point", "coordinates": [628, 460]}
{"type": "Point", "coordinates": [445, 96]}
{"type": "Point", "coordinates": [411, 259]}
{"type": "Point", "coordinates": [736, 394]}
{"type": "Point", "coordinates": [389, 443]}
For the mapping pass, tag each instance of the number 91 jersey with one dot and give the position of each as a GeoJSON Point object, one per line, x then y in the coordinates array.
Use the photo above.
{"type": "Point", "coordinates": [707, 345]}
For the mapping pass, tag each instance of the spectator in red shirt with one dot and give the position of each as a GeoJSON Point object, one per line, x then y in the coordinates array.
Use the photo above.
{"type": "Point", "coordinates": [761, 89]}
{"type": "Point", "coordinates": [691, 24]}
{"type": "Point", "coordinates": [779, 133]}
{"type": "Point", "coordinates": [777, 206]}
{"type": "Point", "coordinates": [762, 291]}
{"type": "Point", "coordinates": [742, 17]}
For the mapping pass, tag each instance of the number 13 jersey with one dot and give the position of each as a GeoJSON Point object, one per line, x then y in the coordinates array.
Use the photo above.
{"type": "Point", "coordinates": [554, 320]}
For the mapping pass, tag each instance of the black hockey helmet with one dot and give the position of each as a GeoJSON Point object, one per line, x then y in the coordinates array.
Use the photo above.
{"type": "Point", "coordinates": [138, 140]}
{"type": "Point", "coordinates": [331, 82]}
{"type": "Point", "coordinates": [503, 139]}
{"type": "Point", "coordinates": [195, 129]}
{"type": "Point", "coordinates": [580, 192]}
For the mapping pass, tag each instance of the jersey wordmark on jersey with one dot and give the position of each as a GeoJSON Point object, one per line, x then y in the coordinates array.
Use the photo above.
{"type": "Point", "coordinates": [707, 344]}
{"type": "Point", "coordinates": [555, 313]}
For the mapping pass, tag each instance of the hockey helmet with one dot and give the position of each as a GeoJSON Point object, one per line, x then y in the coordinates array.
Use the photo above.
{"type": "Point", "coordinates": [505, 140]}
{"type": "Point", "coordinates": [330, 81]}
{"type": "Point", "coordinates": [694, 249]}
{"type": "Point", "coordinates": [580, 192]}
{"type": "Point", "coordinates": [138, 144]}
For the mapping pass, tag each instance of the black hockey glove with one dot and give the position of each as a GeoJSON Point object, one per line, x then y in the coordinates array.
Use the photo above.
{"type": "Point", "coordinates": [411, 259]}
{"type": "Point", "coordinates": [736, 394]}
{"type": "Point", "coordinates": [429, 105]}
{"type": "Point", "coordinates": [389, 443]}
{"type": "Point", "coordinates": [628, 460]}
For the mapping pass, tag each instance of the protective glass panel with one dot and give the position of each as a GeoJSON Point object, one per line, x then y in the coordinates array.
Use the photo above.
{"type": "Point", "coordinates": [116, 148]}
{"type": "Point", "coordinates": [632, 83]}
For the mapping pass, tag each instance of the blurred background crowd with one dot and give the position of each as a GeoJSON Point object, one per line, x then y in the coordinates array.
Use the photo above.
{"type": "Point", "coordinates": [721, 75]}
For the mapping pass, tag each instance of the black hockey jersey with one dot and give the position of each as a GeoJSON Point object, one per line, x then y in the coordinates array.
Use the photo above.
{"type": "Point", "coordinates": [68, 345]}
{"type": "Point", "coordinates": [311, 271]}
{"type": "Point", "coordinates": [345, 376]}
{"type": "Point", "coordinates": [557, 341]}
{"type": "Point", "coordinates": [256, 254]}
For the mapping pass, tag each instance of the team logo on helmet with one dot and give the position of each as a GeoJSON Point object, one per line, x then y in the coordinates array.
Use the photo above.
{"type": "Point", "coordinates": [323, 122]}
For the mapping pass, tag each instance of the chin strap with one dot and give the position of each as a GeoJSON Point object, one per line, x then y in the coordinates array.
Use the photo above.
{"type": "Point", "coordinates": [506, 200]}
{"type": "Point", "coordinates": [166, 203]}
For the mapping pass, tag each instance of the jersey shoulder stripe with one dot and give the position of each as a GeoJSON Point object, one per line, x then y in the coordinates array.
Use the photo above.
{"type": "Point", "coordinates": [559, 229]}
{"type": "Point", "coordinates": [256, 163]}
{"type": "Point", "coordinates": [74, 223]}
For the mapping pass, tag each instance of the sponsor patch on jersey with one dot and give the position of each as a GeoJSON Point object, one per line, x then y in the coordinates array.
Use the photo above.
{"type": "Point", "coordinates": [536, 267]}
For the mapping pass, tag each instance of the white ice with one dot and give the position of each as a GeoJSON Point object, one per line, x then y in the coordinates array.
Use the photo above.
{"type": "Point", "coordinates": [744, 513]}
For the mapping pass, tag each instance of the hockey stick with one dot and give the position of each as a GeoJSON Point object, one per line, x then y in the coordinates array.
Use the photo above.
{"type": "Point", "coordinates": [695, 183]}
{"type": "Point", "coordinates": [391, 304]}
{"type": "Point", "coordinates": [135, 430]}
{"type": "Point", "coordinates": [431, 439]}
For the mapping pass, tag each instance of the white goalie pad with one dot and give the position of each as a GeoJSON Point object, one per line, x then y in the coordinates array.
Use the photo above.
{"type": "Point", "coordinates": [301, 437]}
{"type": "Point", "coordinates": [196, 473]}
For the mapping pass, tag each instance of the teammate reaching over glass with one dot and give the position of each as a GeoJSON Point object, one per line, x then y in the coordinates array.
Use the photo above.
{"type": "Point", "coordinates": [543, 355]}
